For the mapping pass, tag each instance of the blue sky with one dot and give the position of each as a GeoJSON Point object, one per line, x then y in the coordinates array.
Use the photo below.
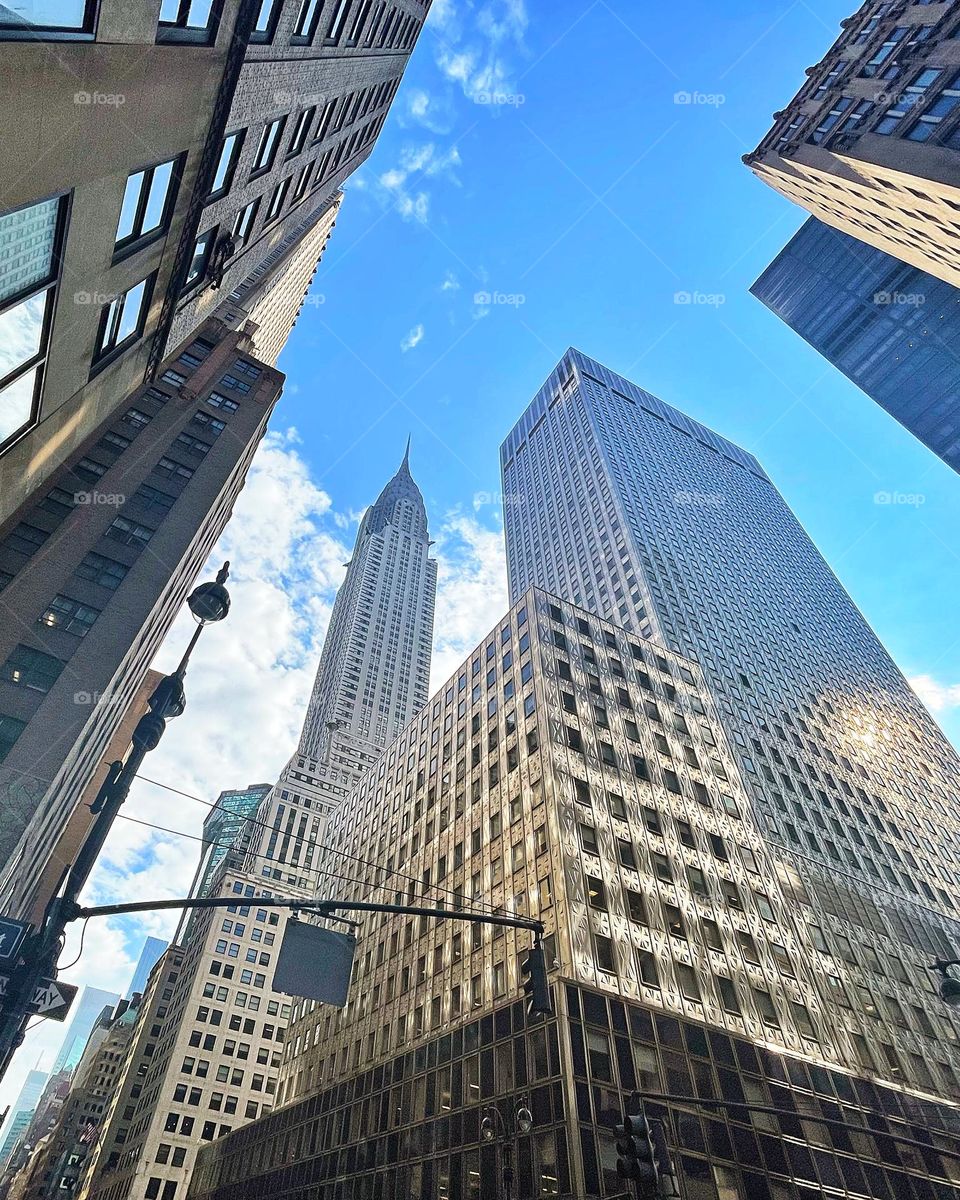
{"type": "Point", "coordinates": [592, 197]}
{"type": "Point", "coordinates": [583, 201]}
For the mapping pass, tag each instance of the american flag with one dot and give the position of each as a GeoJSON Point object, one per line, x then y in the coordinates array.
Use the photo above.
{"type": "Point", "coordinates": [88, 1134]}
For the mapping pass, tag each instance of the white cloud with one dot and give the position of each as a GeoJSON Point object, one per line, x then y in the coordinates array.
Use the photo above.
{"type": "Point", "coordinates": [938, 697]}
{"type": "Point", "coordinates": [471, 590]}
{"type": "Point", "coordinates": [450, 283]}
{"type": "Point", "coordinates": [402, 185]}
{"type": "Point", "coordinates": [247, 689]}
{"type": "Point", "coordinates": [413, 338]}
{"type": "Point", "coordinates": [476, 44]}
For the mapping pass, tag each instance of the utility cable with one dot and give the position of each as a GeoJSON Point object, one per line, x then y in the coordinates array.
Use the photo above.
{"type": "Point", "coordinates": [482, 905]}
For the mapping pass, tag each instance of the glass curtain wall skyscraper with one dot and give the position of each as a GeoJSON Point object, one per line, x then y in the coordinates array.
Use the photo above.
{"type": "Point", "coordinates": [891, 328]}
{"type": "Point", "coordinates": [629, 508]}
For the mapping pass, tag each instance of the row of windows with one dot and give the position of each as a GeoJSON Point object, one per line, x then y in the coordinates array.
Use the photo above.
{"type": "Point", "coordinates": [374, 26]}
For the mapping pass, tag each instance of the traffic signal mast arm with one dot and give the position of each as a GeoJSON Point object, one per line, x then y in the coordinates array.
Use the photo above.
{"type": "Point", "coordinates": [319, 908]}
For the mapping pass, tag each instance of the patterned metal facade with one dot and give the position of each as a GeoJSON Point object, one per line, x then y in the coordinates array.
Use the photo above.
{"type": "Point", "coordinates": [573, 771]}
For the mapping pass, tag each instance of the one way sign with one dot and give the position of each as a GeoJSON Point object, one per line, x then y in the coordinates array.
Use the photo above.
{"type": "Point", "coordinates": [50, 999]}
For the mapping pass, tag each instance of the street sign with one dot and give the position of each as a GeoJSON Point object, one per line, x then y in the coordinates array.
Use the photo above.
{"type": "Point", "coordinates": [50, 998]}
{"type": "Point", "coordinates": [12, 934]}
{"type": "Point", "coordinates": [314, 962]}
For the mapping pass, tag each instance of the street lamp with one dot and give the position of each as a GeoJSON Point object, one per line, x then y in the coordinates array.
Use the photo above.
{"type": "Point", "coordinates": [208, 603]}
{"type": "Point", "coordinates": [949, 984]}
{"type": "Point", "coordinates": [494, 1128]}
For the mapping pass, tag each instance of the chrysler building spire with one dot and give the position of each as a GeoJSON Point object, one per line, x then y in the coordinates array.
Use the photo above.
{"type": "Point", "coordinates": [373, 675]}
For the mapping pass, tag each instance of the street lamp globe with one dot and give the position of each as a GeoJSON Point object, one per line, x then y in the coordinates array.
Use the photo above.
{"type": "Point", "coordinates": [211, 601]}
{"type": "Point", "coordinates": [950, 991]}
{"type": "Point", "coordinates": [487, 1129]}
{"type": "Point", "coordinates": [524, 1120]}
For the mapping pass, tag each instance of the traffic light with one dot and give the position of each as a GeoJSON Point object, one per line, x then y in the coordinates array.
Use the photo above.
{"type": "Point", "coordinates": [637, 1155]}
{"type": "Point", "coordinates": [533, 972]}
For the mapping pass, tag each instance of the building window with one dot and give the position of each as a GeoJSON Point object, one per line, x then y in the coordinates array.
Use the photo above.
{"type": "Point", "coordinates": [647, 969]}
{"type": "Point", "coordinates": [227, 164]}
{"type": "Point", "coordinates": [277, 198]}
{"type": "Point", "coordinates": [215, 400]}
{"type": "Point", "coordinates": [147, 203]}
{"type": "Point", "coordinates": [941, 109]}
{"type": "Point", "coordinates": [154, 499]}
{"type": "Point", "coordinates": [29, 265]}
{"type": "Point", "coordinates": [65, 19]}
{"type": "Point", "coordinates": [10, 730]}
{"type": "Point", "coordinates": [32, 669]}
{"type": "Point", "coordinates": [106, 572]}
{"type": "Point", "coordinates": [69, 615]}
{"type": "Point", "coordinates": [267, 146]}
{"type": "Point", "coordinates": [244, 221]}
{"type": "Point", "coordinates": [909, 98]}
{"type": "Point", "coordinates": [266, 22]}
{"type": "Point", "coordinates": [301, 128]}
{"type": "Point", "coordinates": [188, 20]}
{"type": "Point", "coordinates": [25, 539]}
{"type": "Point", "coordinates": [129, 533]}
{"type": "Point", "coordinates": [306, 23]}
{"type": "Point", "coordinates": [337, 21]}
{"type": "Point", "coordinates": [122, 320]}
{"type": "Point", "coordinates": [202, 249]}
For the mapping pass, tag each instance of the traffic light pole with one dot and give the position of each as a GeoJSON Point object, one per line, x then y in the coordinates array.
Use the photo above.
{"type": "Point", "coordinates": [37, 958]}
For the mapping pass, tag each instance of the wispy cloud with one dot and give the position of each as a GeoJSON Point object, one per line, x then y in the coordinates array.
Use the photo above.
{"type": "Point", "coordinates": [938, 697]}
{"type": "Point", "coordinates": [404, 185]}
{"type": "Point", "coordinates": [413, 338]}
{"type": "Point", "coordinates": [450, 283]}
{"type": "Point", "coordinates": [477, 43]}
{"type": "Point", "coordinates": [471, 589]}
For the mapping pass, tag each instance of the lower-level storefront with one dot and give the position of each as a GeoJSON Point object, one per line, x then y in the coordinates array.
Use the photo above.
{"type": "Point", "coordinates": [412, 1128]}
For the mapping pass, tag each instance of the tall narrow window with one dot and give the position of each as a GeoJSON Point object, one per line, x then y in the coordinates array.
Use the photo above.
{"type": "Point", "coordinates": [122, 320]}
{"type": "Point", "coordinates": [147, 203]}
{"type": "Point", "coordinates": [188, 20]}
{"type": "Point", "coordinates": [227, 164]}
{"type": "Point", "coordinates": [29, 265]}
{"type": "Point", "coordinates": [267, 146]}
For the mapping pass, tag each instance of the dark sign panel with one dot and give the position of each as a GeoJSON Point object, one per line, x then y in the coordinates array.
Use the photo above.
{"type": "Point", "coordinates": [315, 963]}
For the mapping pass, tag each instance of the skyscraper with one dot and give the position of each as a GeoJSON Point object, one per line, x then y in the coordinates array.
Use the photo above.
{"type": "Point", "coordinates": [892, 329]}
{"type": "Point", "coordinates": [152, 949]}
{"type": "Point", "coordinates": [871, 142]}
{"type": "Point", "coordinates": [214, 137]}
{"type": "Point", "coordinates": [574, 772]}
{"type": "Point", "coordinates": [221, 827]}
{"type": "Point", "coordinates": [21, 1110]}
{"type": "Point", "coordinates": [205, 1057]}
{"type": "Point", "coordinates": [86, 1013]}
{"type": "Point", "coordinates": [373, 676]}
{"type": "Point", "coordinates": [96, 568]}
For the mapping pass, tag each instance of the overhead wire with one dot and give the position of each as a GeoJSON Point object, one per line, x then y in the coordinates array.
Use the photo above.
{"type": "Point", "coordinates": [480, 906]}
{"type": "Point", "coordinates": [227, 845]}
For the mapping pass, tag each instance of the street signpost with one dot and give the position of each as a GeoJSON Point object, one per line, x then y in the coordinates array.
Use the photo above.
{"type": "Point", "coordinates": [50, 998]}
{"type": "Point", "coordinates": [12, 934]}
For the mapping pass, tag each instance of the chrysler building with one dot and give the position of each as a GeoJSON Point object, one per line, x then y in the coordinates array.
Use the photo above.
{"type": "Point", "coordinates": [373, 677]}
